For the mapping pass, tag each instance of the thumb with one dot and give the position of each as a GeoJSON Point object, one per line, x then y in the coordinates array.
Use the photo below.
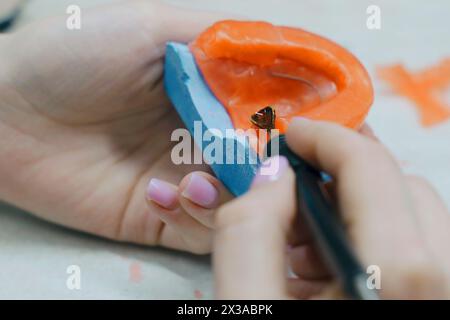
{"type": "Point", "coordinates": [181, 24]}
{"type": "Point", "coordinates": [251, 237]}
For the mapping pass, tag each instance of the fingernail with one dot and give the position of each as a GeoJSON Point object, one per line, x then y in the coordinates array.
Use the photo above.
{"type": "Point", "coordinates": [200, 191]}
{"type": "Point", "coordinates": [162, 193]}
{"type": "Point", "coordinates": [270, 170]}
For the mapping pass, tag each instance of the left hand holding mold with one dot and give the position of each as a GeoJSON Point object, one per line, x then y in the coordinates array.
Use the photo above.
{"type": "Point", "coordinates": [88, 123]}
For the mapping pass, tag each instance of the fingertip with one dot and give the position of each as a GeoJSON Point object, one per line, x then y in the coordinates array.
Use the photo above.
{"type": "Point", "coordinates": [270, 170]}
{"type": "Point", "coordinates": [297, 129]}
{"type": "Point", "coordinates": [296, 124]}
{"type": "Point", "coordinates": [183, 24]}
{"type": "Point", "coordinates": [162, 193]}
{"type": "Point", "coordinates": [200, 189]}
{"type": "Point", "coordinates": [300, 121]}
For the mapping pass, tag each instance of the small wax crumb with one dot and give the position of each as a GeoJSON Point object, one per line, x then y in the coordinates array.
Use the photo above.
{"type": "Point", "coordinates": [198, 294]}
{"type": "Point", "coordinates": [135, 272]}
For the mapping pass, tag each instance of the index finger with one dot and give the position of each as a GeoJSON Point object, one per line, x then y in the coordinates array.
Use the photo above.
{"type": "Point", "coordinates": [374, 201]}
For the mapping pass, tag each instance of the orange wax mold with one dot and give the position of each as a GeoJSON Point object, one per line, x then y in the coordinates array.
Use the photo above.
{"type": "Point", "coordinates": [249, 65]}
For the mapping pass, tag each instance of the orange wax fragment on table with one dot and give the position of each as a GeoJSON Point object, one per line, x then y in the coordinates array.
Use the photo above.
{"type": "Point", "coordinates": [421, 88]}
{"type": "Point", "coordinates": [251, 65]}
{"type": "Point", "coordinates": [436, 77]}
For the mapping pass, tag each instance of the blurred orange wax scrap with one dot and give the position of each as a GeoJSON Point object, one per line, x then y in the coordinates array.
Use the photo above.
{"type": "Point", "coordinates": [424, 88]}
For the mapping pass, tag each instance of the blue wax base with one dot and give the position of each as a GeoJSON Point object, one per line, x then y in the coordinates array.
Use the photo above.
{"type": "Point", "coordinates": [195, 102]}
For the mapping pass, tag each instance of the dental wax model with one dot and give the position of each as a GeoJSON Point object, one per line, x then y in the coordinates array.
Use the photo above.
{"type": "Point", "coordinates": [252, 65]}
{"type": "Point", "coordinates": [253, 75]}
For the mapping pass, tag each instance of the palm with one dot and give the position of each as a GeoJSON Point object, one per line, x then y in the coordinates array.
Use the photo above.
{"type": "Point", "coordinates": [101, 121]}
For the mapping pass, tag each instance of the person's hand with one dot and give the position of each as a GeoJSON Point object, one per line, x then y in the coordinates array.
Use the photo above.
{"type": "Point", "coordinates": [85, 124]}
{"type": "Point", "coordinates": [395, 222]}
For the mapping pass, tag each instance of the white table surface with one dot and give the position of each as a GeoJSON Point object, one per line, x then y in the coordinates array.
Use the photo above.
{"type": "Point", "coordinates": [34, 254]}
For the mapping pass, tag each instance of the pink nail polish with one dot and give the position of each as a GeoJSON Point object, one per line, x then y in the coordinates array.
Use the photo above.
{"type": "Point", "coordinates": [270, 170]}
{"type": "Point", "coordinates": [200, 191]}
{"type": "Point", "coordinates": [162, 193]}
